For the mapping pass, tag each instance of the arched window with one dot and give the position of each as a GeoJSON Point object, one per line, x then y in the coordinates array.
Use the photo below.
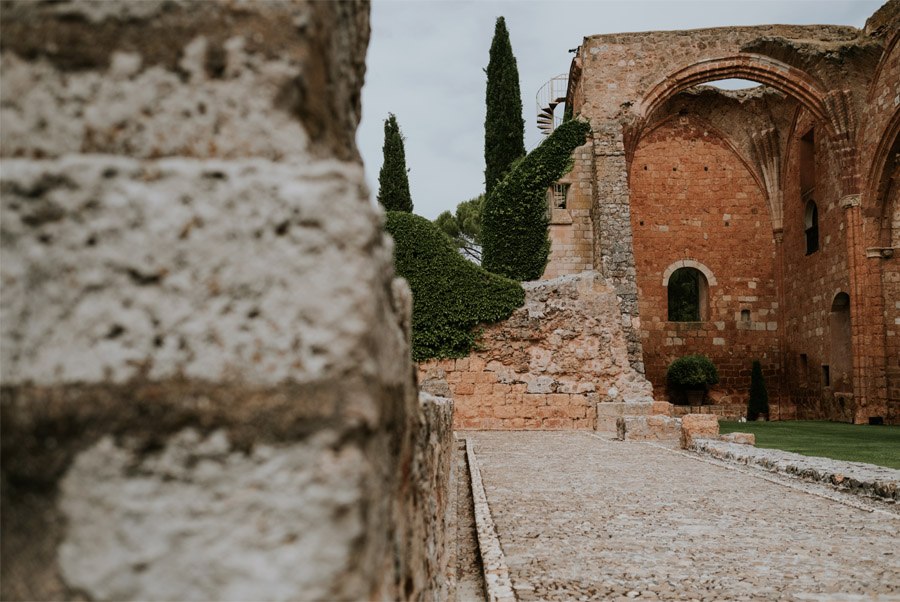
{"type": "Point", "coordinates": [811, 227]}
{"type": "Point", "coordinates": [688, 292]}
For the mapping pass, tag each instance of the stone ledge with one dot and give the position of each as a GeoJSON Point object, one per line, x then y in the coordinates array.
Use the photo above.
{"type": "Point", "coordinates": [647, 428]}
{"type": "Point", "coordinates": [853, 477]}
{"type": "Point", "coordinates": [493, 562]}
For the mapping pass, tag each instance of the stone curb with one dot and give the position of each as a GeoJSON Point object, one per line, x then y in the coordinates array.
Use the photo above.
{"type": "Point", "coordinates": [852, 477]}
{"type": "Point", "coordinates": [496, 572]}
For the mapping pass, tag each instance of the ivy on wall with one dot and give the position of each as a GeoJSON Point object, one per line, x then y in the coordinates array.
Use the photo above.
{"type": "Point", "coordinates": [451, 296]}
{"type": "Point", "coordinates": [515, 216]}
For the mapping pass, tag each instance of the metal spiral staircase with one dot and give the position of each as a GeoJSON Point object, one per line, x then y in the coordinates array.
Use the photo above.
{"type": "Point", "coordinates": [551, 95]}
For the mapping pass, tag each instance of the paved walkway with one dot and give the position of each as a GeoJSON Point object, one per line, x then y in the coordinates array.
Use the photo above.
{"type": "Point", "coordinates": [583, 517]}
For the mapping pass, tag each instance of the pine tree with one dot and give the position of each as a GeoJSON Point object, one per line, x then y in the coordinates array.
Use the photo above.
{"type": "Point", "coordinates": [504, 128]}
{"type": "Point", "coordinates": [393, 182]}
{"type": "Point", "coordinates": [759, 398]}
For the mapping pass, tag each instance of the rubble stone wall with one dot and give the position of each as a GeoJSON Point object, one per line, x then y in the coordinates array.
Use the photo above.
{"type": "Point", "coordinates": [547, 366]}
{"type": "Point", "coordinates": [207, 389]}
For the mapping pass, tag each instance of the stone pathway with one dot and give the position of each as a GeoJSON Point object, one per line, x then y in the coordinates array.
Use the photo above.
{"type": "Point", "coordinates": [582, 517]}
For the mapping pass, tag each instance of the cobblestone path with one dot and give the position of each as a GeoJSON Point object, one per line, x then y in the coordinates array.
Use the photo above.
{"type": "Point", "coordinates": [582, 517]}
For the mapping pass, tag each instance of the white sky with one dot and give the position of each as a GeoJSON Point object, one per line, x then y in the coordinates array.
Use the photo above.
{"type": "Point", "coordinates": [426, 61]}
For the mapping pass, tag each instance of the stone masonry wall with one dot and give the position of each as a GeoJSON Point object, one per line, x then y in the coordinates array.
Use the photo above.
{"type": "Point", "coordinates": [547, 366]}
{"type": "Point", "coordinates": [571, 233]}
{"type": "Point", "coordinates": [207, 391]}
{"type": "Point", "coordinates": [693, 200]}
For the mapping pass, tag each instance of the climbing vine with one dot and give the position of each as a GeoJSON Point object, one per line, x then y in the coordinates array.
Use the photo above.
{"type": "Point", "coordinates": [451, 296]}
{"type": "Point", "coordinates": [515, 215]}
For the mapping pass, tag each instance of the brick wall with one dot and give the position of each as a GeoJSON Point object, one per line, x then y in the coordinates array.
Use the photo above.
{"type": "Point", "coordinates": [693, 199]}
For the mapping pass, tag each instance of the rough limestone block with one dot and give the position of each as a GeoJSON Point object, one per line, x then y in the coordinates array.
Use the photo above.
{"type": "Point", "coordinates": [647, 428]}
{"type": "Point", "coordinates": [663, 408]}
{"type": "Point", "coordinates": [608, 412]}
{"type": "Point", "coordinates": [207, 386]}
{"type": "Point", "coordinates": [698, 426]}
{"type": "Point", "coordinates": [742, 438]}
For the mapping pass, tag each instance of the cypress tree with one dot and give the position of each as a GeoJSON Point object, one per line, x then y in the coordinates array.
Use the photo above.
{"type": "Point", "coordinates": [504, 128]}
{"type": "Point", "coordinates": [759, 396]}
{"type": "Point", "coordinates": [393, 182]}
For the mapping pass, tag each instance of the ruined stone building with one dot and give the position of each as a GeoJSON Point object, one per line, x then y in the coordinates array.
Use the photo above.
{"type": "Point", "coordinates": [780, 202]}
{"type": "Point", "coordinates": [753, 224]}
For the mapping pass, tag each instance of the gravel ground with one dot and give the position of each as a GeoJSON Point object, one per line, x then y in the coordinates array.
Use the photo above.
{"type": "Point", "coordinates": [583, 517]}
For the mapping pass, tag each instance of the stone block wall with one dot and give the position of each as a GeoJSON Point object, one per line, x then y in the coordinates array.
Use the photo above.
{"type": "Point", "coordinates": [571, 231]}
{"type": "Point", "coordinates": [207, 389]}
{"type": "Point", "coordinates": [547, 366]}
{"type": "Point", "coordinates": [694, 203]}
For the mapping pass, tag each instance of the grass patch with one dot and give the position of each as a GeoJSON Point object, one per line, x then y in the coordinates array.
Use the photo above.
{"type": "Point", "coordinates": [837, 440]}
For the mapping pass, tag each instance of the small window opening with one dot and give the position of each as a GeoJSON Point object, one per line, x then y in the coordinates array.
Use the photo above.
{"type": "Point", "coordinates": [559, 194]}
{"type": "Point", "coordinates": [745, 315]}
{"type": "Point", "coordinates": [811, 227]}
{"type": "Point", "coordinates": [826, 376]}
{"type": "Point", "coordinates": [808, 163]}
{"type": "Point", "coordinates": [688, 293]}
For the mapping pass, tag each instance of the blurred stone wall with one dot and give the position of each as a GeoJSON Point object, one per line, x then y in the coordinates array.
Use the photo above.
{"type": "Point", "coordinates": [207, 390]}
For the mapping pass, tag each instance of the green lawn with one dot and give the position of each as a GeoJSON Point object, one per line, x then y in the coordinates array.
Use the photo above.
{"type": "Point", "coordinates": [840, 441]}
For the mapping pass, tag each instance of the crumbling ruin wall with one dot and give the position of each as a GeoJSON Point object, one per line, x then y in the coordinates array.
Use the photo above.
{"type": "Point", "coordinates": [548, 365]}
{"type": "Point", "coordinates": [207, 389]}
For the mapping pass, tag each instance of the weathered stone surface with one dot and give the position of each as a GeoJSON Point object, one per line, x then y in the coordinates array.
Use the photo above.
{"type": "Point", "coordinates": [855, 477]}
{"type": "Point", "coordinates": [207, 387]}
{"type": "Point", "coordinates": [608, 412]}
{"type": "Point", "coordinates": [548, 365]}
{"type": "Point", "coordinates": [698, 426]}
{"type": "Point", "coordinates": [647, 428]}
{"type": "Point", "coordinates": [582, 517]}
{"type": "Point", "coordinates": [740, 438]}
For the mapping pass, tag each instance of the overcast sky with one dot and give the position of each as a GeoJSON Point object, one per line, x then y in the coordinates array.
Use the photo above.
{"type": "Point", "coordinates": [426, 61]}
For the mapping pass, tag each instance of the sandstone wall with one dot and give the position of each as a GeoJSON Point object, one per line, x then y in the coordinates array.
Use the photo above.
{"type": "Point", "coordinates": [207, 391]}
{"type": "Point", "coordinates": [693, 200]}
{"type": "Point", "coordinates": [547, 366]}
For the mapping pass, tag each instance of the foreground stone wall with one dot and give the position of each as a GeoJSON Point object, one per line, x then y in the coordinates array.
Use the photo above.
{"type": "Point", "coordinates": [207, 388]}
{"type": "Point", "coordinates": [548, 365]}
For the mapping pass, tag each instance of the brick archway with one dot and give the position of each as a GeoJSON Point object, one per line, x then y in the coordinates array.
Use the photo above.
{"type": "Point", "coordinates": [755, 67]}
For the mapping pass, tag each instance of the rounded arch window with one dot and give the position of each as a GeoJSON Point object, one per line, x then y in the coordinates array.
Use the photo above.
{"type": "Point", "coordinates": [688, 293]}
{"type": "Point", "coordinates": [811, 227]}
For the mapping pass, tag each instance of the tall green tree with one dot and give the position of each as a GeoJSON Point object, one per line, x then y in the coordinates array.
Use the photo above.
{"type": "Point", "coordinates": [758, 402]}
{"type": "Point", "coordinates": [504, 128]}
{"type": "Point", "coordinates": [464, 227]}
{"type": "Point", "coordinates": [393, 181]}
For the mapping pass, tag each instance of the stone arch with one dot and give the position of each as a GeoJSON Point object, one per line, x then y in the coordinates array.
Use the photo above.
{"type": "Point", "coordinates": [881, 177]}
{"type": "Point", "coordinates": [688, 263]}
{"type": "Point", "coordinates": [755, 67]}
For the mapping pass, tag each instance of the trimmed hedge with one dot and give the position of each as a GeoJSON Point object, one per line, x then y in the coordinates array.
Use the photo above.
{"type": "Point", "coordinates": [450, 295]}
{"type": "Point", "coordinates": [692, 371]}
{"type": "Point", "coordinates": [516, 216]}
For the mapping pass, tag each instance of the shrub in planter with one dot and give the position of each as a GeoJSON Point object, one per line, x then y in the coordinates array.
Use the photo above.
{"type": "Point", "coordinates": [692, 374]}
{"type": "Point", "coordinates": [758, 404]}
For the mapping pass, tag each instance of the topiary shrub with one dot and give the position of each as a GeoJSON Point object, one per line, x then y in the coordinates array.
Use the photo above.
{"type": "Point", "coordinates": [515, 216]}
{"type": "Point", "coordinates": [692, 373]}
{"type": "Point", "coordinates": [450, 295]}
{"type": "Point", "coordinates": [758, 404]}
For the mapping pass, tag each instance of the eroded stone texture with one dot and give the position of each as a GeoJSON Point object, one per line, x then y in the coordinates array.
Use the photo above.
{"type": "Point", "coordinates": [207, 388]}
{"type": "Point", "coordinates": [548, 365]}
{"type": "Point", "coordinates": [698, 426]}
